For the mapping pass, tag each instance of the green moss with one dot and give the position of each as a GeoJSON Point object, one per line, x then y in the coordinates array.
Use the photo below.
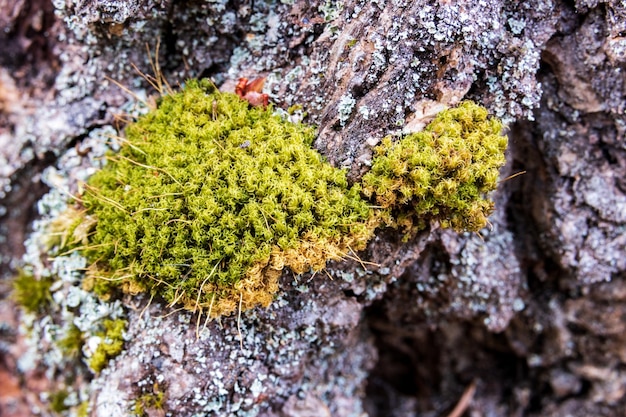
{"type": "Point", "coordinates": [111, 345]}
{"type": "Point", "coordinates": [31, 293]}
{"type": "Point", "coordinates": [442, 173]}
{"type": "Point", "coordinates": [209, 199]}
{"type": "Point", "coordinates": [71, 344]}
{"type": "Point", "coordinates": [83, 409]}
{"type": "Point", "coordinates": [149, 402]}
{"type": "Point", "coordinates": [57, 401]}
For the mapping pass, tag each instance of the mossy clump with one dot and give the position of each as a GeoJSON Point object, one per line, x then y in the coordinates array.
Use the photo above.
{"type": "Point", "coordinates": [442, 173]}
{"type": "Point", "coordinates": [72, 343]}
{"type": "Point", "coordinates": [83, 409]}
{"type": "Point", "coordinates": [111, 345]}
{"type": "Point", "coordinates": [32, 293]}
{"type": "Point", "coordinates": [57, 401]}
{"type": "Point", "coordinates": [209, 199]}
{"type": "Point", "coordinates": [149, 403]}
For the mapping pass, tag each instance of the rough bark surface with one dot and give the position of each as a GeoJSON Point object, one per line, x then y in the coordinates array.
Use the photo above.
{"type": "Point", "coordinates": [530, 313]}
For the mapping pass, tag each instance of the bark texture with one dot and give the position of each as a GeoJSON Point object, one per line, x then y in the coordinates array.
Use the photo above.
{"type": "Point", "coordinates": [531, 313]}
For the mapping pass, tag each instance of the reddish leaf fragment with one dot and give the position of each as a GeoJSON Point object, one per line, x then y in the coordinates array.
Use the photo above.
{"type": "Point", "coordinates": [251, 91]}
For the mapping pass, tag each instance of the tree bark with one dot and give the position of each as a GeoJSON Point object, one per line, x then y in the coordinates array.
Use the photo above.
{"type": "Point", "coordinates": [529, 312]}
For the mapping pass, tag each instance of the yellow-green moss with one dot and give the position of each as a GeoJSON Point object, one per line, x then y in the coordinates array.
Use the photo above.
{"type": "Point", "coordinates": [443, 173]}
{"type": "Point", "coordinates": [209, 199]}
{"type": "Point", "coordinates": [111, 345]}
{"type": "Point", "coordinates": [71, 344]}
{"type": "Point", "coordinates": [31, 293]}
{"type": "Point", "coordinates": [149, 402]}
{"type": "Point", "coordinates": [57, 401]}
{"type": "Point", "coordinates": [83, 409]}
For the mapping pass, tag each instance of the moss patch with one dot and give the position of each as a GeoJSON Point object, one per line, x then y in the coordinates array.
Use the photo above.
{"type": "Point", "coordinates": [57, 401]}
{"type": "Point", "coordinates": [31, 293]}
{"type": "Point", "coordinates": [209, 199]}
{"type": "Point", "coordinates": [149, 403]}
{"type": "Point", "coordinates": [443, 173]}
{"type": "Point", "coordinates": [72, 343]}
{"type": "Point", "coordinates": [111, 345]}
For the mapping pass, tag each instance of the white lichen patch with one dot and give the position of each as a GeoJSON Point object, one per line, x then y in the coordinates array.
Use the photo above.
{"type": "Point", "coordinates": [63, 336]}
{"type": "Point", "coordinates": [345, 108]}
